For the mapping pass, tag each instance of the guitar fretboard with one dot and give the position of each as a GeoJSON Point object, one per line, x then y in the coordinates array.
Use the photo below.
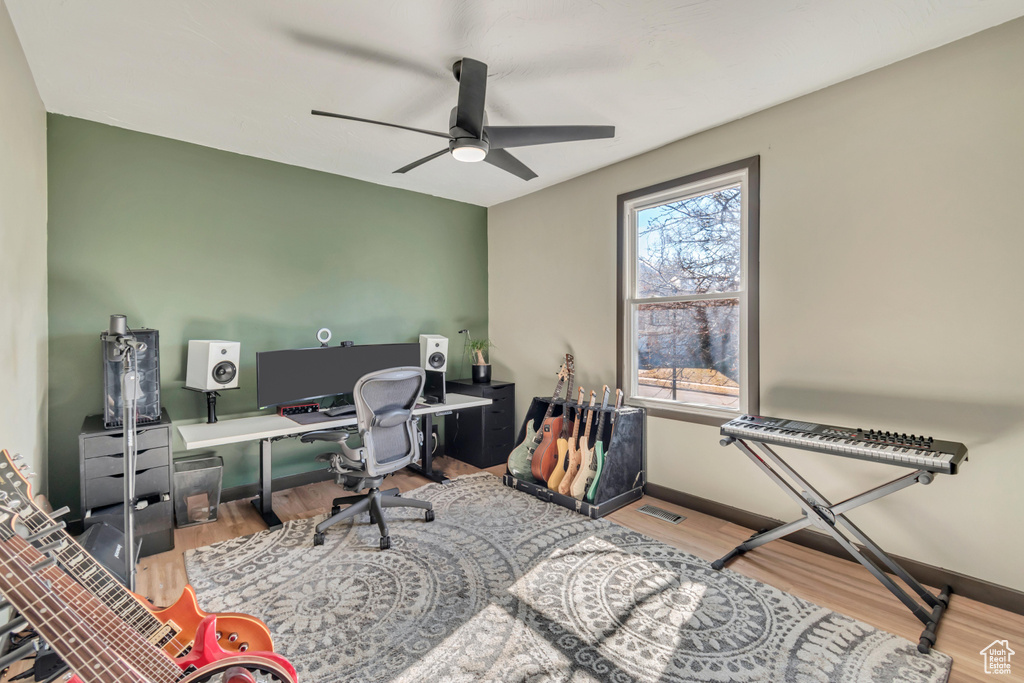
{"type": "Point", "coordinates": [83, 567]}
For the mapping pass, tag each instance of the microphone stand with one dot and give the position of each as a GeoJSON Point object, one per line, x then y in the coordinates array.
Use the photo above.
{"type": "Point", "coordinates": [125, 347]}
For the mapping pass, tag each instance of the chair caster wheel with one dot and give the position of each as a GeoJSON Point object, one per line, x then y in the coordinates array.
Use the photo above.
{"type": "Point", "coordinates": [335, 510]}
{"type": "Point", "coordinates": [429, 516]}
{"type": "Point", "coordinates": [318, 539]}
{"type": "Point", "coordinates": [385, 542]}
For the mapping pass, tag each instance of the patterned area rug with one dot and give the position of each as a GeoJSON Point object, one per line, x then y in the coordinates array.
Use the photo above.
{"type": "Point", "coordinates": [503, 587]}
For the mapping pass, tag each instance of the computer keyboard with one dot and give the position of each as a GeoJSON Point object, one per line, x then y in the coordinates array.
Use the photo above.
{"type": "Point", "coordinates": [339, 411]}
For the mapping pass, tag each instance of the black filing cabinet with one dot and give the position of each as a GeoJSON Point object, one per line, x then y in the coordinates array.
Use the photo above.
{"type": "Point", "coordinates": [482, 436]}
{"type": "Point", "coordinates": [101, 456]}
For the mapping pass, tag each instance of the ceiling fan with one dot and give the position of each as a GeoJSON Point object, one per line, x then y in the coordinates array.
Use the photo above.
{"type": "Point", "coordinates": [471, 139]}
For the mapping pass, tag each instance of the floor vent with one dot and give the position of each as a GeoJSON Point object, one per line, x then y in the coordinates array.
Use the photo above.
{"type": "Point", "coordinates": [661, 514]}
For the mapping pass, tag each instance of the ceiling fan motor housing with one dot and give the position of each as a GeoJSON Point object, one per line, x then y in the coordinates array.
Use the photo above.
{"type": "Point", "coordinates": [463, 145]}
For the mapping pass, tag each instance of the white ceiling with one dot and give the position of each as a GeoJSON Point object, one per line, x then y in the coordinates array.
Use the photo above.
{"type": "Point", "coordinates": [242, 75]}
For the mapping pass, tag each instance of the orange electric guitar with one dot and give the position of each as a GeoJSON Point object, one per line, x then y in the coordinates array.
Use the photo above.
{"type": "Point", "coordinates": [550, 456]}
{"type": "Point", "coordinates": [538, 442]}
{"type": "Point", "coordinates": [566, 443]}
{"type": "Point", "coordinates": [576, 454]}
{"type": "Point", "coordinates": [172, 628]}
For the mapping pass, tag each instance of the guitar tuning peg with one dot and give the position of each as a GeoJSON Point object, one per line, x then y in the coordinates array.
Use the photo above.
{"type": "Point", "coordinates": [51, 547]}
{"type": "Point", "coordinates": [42, 533]}
{"type": "Point", "coordinates": [17, 457]}
{"type": "Point", "coordinates": [3, 496]}
{"type": "Point", "coordinates": [45, 564]}
{"type": "Point", "coordinates": [15, 503]}
{"type": "Point", "coordinates": [60, 513]}
{"type": "Point", "coordinates": [4, 517]}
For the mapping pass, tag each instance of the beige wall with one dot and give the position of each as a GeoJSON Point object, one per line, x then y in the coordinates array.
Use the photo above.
{"type": "Point", "coordinates": [22, 256]}
{"type": "Point", "coordinates": [892, 242]}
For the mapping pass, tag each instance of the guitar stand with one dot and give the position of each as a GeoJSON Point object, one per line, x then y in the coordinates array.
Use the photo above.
{"type": "Point", "coordinates": [829, 517]}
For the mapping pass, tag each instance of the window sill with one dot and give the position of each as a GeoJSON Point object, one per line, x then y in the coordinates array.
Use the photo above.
{"type": "Point", "coordinates": [684, 413]}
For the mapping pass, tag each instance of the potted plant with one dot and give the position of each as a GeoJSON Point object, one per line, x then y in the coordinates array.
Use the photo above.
{"type": "Point", "coordinates": [478, 349]}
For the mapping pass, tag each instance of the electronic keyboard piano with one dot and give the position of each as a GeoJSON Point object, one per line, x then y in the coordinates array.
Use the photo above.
{"type": "Point", "coordinates": [919, 452]}
{"type": "Point", "coordinates": [924, 454]}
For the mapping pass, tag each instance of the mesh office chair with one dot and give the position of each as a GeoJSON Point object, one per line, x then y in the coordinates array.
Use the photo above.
{"type": "Point", "coordinates": [390, 441]}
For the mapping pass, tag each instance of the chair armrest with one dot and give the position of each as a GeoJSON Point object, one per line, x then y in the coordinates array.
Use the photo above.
{"type": "Point", "coordinates": [355, 454]}
{"type": "Point", "coordinates": [330, 435]}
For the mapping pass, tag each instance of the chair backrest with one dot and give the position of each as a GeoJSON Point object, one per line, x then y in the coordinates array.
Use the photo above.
{"type": "Point", "coordinates": [384, 402]}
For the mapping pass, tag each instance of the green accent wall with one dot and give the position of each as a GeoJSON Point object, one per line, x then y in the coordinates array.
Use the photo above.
{"type": "Point", "coordinates": [204, 244]}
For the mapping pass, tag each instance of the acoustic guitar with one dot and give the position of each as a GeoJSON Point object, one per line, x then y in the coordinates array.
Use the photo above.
{"type": "Point", "coordinates": [576, 454]}
{"type": "Point", "coordinates": [588, 463]}
{"type": "Point", "coordinates": [172, 628]}
{"type": "Point", "coordinates": [545, 459]}
{"type": "Point", "coordinates": [599, 448]}
{"type": "Point", "coordinates": [542, 438]}
{"type": "Point", "coordinates": [564, 445]}
{"type": "Point", "coordinates": [97, 645]}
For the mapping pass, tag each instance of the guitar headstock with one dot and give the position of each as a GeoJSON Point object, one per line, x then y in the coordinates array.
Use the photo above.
{"type": "Point", "coordinates": [593, 399]}
{"type": "Point", "coordinates": [604, 401]}
{"type": "Point", "coordinates": [567, 369]}
{"type": "Point", "coordinates": [12, 477]}
{"type": "Point", "coordinates": [579, 400]}
{"type": "Point", "coordinates": [618, 399]}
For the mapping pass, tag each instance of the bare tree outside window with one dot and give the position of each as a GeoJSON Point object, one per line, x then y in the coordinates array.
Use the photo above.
{"type": "Point", "coordinates": [689, 351]}
{"type": "Point", "coordinates": [685, 295]}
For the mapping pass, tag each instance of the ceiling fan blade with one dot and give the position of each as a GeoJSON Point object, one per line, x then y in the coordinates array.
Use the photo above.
{"type": "Point", "coordinates": [316, 112]}
{"type": "Point", "coordinates": [507, 162]}
{"type": "Point", "coordinates": [420, 162]}
{"type": "Point", "coordinates": [469, 115]}
{"type": "Point", "coordinates": [501, 137]}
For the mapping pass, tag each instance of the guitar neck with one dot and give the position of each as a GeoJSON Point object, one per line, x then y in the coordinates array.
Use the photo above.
{"type": "Point", "coordinates": [565, 408]}
{"type": "Point", "coordinates": [590, 410]}
{"type": "Point", "coordinates": [547, 415]}
{"type": "Point", "coordinates": [76, 641]}
{"type": "Point", "coordinates": [94, 576]}
{"type": "Point", "coordinates": [586, 432]}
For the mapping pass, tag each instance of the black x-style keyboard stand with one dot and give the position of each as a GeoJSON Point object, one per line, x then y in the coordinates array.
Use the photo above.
{"type": "Point", "coordinates": [829, 517]}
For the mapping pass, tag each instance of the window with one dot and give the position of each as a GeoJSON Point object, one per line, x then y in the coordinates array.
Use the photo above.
{"type": "Point", "coordinates": [688, 294]}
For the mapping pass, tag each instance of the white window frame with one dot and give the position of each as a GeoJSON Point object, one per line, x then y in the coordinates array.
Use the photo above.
{"type": "Point", "coordinates": [745, 174]}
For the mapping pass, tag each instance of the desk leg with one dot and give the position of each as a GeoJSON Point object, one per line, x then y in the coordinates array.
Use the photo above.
{"type": "Point", "coordinates": [263, 500]}
{"type": "Point", "coordinates": [426, 465]}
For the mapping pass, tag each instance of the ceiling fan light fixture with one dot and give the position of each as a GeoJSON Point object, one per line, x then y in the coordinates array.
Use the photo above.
{"type": "Point", "coordinates": [468, 150]}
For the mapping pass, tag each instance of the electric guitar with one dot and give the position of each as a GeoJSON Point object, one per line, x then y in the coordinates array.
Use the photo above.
{"type": "Point", "coordinates": [599, 453]}
{"type": "Point", "coordinates": [566, 445]}
{"type": "Point", "coordinates": [576, 454]}
{"type": "Point", "coordinates": [588, 460]}
{"type": "Point", "coordinates": [544, 460]}
{"type": "Point", "coordinates": [520, 461]}
{"type": "Point", "coordinates": [173, 628]}
{"type": "Point", "coordinates": [97, 645]}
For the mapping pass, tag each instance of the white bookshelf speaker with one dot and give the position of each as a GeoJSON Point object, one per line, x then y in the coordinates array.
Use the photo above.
{"type": "Point", "coordinates": [212, 364]}
{"type": "Point", "coordinates": [434, 352]}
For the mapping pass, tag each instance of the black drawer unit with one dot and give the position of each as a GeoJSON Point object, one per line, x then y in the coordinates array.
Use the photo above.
{"type": "Point", "coordinates": [482, 436]}
{"type": "Point", "coordinates": [102, 480]}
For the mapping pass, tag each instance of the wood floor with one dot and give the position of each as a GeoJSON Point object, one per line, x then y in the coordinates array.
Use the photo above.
{"type": "Point", "coordinates": [828, 581]}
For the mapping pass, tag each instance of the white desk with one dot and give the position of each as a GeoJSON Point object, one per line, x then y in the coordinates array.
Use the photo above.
{"type": "Point", "coordinates": [269, 428]}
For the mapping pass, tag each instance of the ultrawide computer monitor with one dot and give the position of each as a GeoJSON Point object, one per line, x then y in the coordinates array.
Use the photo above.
{"type": "Point", "coordinates": [305, 374]}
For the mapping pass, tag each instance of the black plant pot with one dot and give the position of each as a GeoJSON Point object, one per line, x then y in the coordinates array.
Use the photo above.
{"type": "Point", "coordinates": [481, 374]}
